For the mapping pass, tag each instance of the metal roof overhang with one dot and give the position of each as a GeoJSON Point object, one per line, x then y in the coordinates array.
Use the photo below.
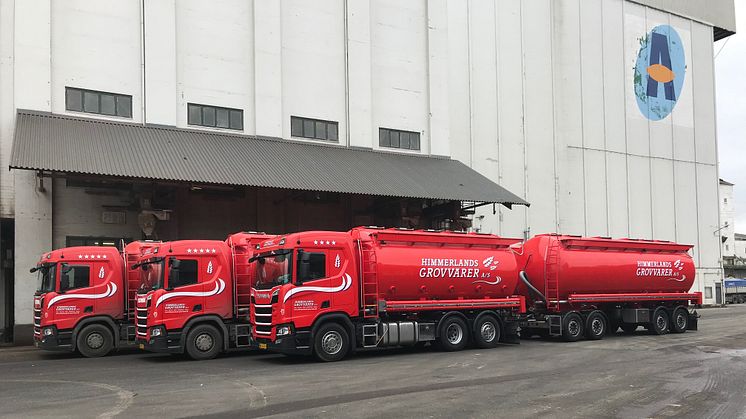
{"type": "Point", "coordinates": [75, 145]}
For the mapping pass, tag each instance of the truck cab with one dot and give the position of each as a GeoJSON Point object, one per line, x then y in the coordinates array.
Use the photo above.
{"type": "Point", "coordinates": [194, 296]}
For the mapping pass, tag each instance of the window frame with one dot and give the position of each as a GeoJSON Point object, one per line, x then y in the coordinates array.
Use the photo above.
{"type": "Point", "coordinates": [235, 116]}
{"type": "Point", "coordinates": [392, 138]}
{"type": "Point", "coordinates": [309, 129]}
{"type": "Point", "coordinates": [297, 278]}
{"type": "Point", "coordinates": [99, 94]}
{"type": "Point", "coordinates": [181, 261]}
{"type": "Point", "coordinates": [73, 267]}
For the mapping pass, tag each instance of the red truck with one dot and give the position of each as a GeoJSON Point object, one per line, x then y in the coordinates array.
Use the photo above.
{"type": "Point", "coordinates": [85, 298]}
{"type": "Point", "coordinates": [195, 296]}
{"type": "Point", "coordinates": [581, 286]}
{"type": "Point", "coordinates": [330, 293]}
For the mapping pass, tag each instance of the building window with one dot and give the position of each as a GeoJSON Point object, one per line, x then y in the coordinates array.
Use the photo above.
{"type": "Point", "coordinates": [394, 138]}
{"type": "Point", "coordinates": [102, 103]}
{"type": "Point", "coordinates": [72, 241]}
{"type": "Point", "coordinates": [725, 200]}
{"type": "Point", "coordinates": [314, 128]}
{"type": "Point", "coordinates": [708, 292]}
{"type": "Point", "coordinates": [214, 116]}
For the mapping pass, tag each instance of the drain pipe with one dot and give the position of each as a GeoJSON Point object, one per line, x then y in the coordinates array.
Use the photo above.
{"type": "Point", "coordinates": [525, 280]}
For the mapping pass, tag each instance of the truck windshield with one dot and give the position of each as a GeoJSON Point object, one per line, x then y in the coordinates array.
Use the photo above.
{"type": "Point", "coordinates": [45, 276]}
{"type": "Point", "coordinates": [151, 275]}
{"type": "Point", "coordinates": [273, 269]}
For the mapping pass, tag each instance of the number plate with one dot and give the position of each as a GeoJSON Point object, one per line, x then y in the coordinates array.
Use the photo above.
{"type": "Point", "coordinates": [142, 346]}
{"type": "Point", "coordinates": [262, 346]}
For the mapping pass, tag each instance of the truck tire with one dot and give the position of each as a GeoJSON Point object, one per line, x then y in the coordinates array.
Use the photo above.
{"type": "Point", "coordinates": [660, 323]}
{"type": "Point", "coordinates": [629, 328]}
{"type": "Point", "coordinates": [595, 326]}
{"type": "Point", "coordinates": [331, 342]}
{"type": "Point", "coordinates": [572, 327]}
{"type": "Point", "coordinates": [94, 340]}
{"type": "Point", "coordinates": [454, 334]}
{"type": "Point", "coordinates": [487, 332]}
{"type": "Point", "coordinates": [679, 320]}
{"type": "Point", "coordinates": [204, 341]}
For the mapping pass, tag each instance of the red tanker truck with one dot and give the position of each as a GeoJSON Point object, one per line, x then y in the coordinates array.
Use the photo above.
{"type": "Point", "coordinates": [589, 287]}
{"type": "Point", "coordinates": [330, 293]}
{"type": "Point", "coordinates": [85, 298]}
{"type": "Point", "coordinates": [195, 296]}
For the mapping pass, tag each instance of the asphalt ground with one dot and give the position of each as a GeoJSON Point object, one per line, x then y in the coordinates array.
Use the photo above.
{"type": "Point", "coordinates": [698, 374]}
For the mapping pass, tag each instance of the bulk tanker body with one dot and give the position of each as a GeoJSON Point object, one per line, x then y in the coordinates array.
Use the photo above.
{"type": "Point", "coordinates": [591, 286]}
{"type": "Point", "coordinates": [329, 292]}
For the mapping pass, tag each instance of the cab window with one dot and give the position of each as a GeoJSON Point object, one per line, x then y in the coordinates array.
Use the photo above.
{"type": "Point", "coordinates": [312, 266]}
{"type": "Point", "coordinates": [74, 276]}
{"type": "Point", "coordinates": [181, 272]}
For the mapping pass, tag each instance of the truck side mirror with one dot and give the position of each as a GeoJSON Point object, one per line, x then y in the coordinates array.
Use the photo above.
{"type": "Point", "coordinates": [174, 263]}
{"type": "Point", "coordinates": [304, 266]}
{"type": "Point", "coordinates": [65, 268]}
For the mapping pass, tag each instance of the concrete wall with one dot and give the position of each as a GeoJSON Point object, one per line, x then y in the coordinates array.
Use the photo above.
{"type": "Point", "coordinates": [728, 216]}
{"type": "Point", "coordinates": [537, 96]}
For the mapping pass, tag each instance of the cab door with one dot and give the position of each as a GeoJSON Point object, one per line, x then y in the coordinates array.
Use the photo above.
{"type": "Point", "coordinates": [184, 293]}
{"type": "Point", "coordinates": [313, 289]}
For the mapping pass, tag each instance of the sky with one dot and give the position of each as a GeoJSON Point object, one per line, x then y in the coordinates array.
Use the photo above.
{"type": "Point", "coordinates": [730, 85]}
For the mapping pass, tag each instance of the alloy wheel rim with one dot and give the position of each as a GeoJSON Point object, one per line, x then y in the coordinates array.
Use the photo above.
{"type": "Point", "coordinates": [204, 342]}
{"type": "Point", "coordinates": [95, 340]}
{"type": "Point", "coordinates": [488, 332]}
{"type": "Point", "coordinates": [454, 334]}
{"type": "Point", "coordinates": [331, 343]}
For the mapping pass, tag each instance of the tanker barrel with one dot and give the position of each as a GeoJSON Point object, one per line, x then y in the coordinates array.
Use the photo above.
{"type": "Point", "coordinates": [526, 282]}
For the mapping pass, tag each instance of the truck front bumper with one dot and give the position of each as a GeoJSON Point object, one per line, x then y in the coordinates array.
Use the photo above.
{"type": "Point", "coordinates": [168, 344]}
{"type": "Point", "coordinates": [298, 343]}
{"type": "Point", "coordinates": [60, 341]}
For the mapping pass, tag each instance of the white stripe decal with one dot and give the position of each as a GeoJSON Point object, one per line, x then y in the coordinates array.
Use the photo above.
{"type": "Point", "coordinates": [219, 287]}
{"type": "Point", "coordinates": [346, 283]}
{"type": "Point", "coordinates": [111, 289]}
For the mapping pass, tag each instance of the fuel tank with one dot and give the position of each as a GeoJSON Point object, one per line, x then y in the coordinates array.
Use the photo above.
{"type": "Point", "coordinates": [559, 265]}
{"type": "Point", "coordinates": [429, 265]}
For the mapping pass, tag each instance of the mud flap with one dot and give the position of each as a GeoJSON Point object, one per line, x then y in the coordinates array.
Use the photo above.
{"type": "Point", "coordinates": [510, 333]}
{"type": "Point", "coordinates": [692, 324]}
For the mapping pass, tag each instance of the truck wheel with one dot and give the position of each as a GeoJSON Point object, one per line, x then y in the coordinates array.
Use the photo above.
{"type": "Point", "coordinates": [487, 332]}
{"type": "Point", "coordinates": [595, 326]}
{"type": "Point", "coordinates": [679, 320]}
{"type": "Point", "coordinates": [453, 334]}
{"type": "Point", "coordinates": [331, 342]}
{"type": "Point", "coordinates": [95, 340]}
{"type": "Point", "coordinates": [629, 328]}
{"type": "Point", "coordinates": [204, 341]}
{"type": "Point", "coordinates": [660, 323]}
{"type": "Point", "coordinates": [572, 327]}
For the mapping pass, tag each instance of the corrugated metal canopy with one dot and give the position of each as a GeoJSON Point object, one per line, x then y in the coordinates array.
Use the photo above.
{"type": "Point", "coordinates": [62, 143]}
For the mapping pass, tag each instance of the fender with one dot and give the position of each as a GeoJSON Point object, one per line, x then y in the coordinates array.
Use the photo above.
{"type": "Point", "coordinates": [96, 319]}
{"type": "Point", "coordinates": [336, 316]}
{"type": "Point", "coordinates": [207, 318]}
{"type": "Point", "coordinates": [469, 324]}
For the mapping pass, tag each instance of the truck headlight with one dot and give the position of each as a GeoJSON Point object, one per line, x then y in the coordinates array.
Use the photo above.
{"type": "Point", "coordinates": [156, 331]}
{"type": "Point", "coordinates": [48, 331]}
{"type": "Point", "coordinates": [283, 330]}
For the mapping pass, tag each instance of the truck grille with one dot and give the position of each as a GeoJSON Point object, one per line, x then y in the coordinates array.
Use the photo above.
{"type": "Point", "coordinates": [37, 322]}
{"type": "Point", "coordinates": [141, 320]}
{"type": "Point", "coordinates": [263, 319]}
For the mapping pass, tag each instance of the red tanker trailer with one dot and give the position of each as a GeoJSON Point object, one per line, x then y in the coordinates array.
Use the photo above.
{"type": "Point", "coordinates": [327, 293]}
{"type": "Point", "coordinates": [591, 286]}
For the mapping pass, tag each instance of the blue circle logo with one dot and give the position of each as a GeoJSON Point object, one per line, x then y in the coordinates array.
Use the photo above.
{"type": "Point", "coordinates": [659, 72]}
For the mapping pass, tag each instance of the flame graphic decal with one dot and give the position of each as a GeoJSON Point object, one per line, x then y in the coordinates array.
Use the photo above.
{"type": "Point", "coordinates": [219, 287]}
{"type": "Point", "coordinates": [345, 285]}
{"type": "Point", "coordinates": [111, 289]}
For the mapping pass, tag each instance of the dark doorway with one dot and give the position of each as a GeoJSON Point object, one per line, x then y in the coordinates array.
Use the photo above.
{"type": "Point", "coordinates": [7, 240]}
{"type": "Point", "coordinates": [718, 293]}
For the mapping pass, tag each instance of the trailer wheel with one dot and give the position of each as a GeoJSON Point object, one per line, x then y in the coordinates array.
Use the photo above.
{"type": "Point", "coordinates": [572, 327]}
{"type": "Point", "coordinates": [595, 326]}
{"type": "Point", "coordinates": [95, 340]}
{"type": "Point", "coordinates": [487, 332]}
{"type": "Point", "coordinates": [629, 328]}
{"type": "Point", "coordinates": [679, 320]}
{"type": "Point", "coordinates": [331, 342]}
{"type": "Point", "coordinates": [660, 323]}
{"type": "Point", "coordinates": [203, 342]}
{"type": "Point", "coordinates": [453, 334]}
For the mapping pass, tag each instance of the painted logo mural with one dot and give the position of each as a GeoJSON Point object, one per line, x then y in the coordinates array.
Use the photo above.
{"type": "Point", "coordinates": [659, 72]}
